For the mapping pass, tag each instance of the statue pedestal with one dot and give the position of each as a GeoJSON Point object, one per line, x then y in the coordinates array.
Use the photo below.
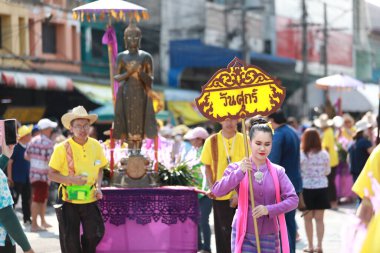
{"type": "Point", "coordinates": [136, 172]}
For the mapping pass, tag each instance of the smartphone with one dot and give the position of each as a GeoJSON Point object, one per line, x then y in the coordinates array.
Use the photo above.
{"type": "Point", "coordinates": [8, 131]}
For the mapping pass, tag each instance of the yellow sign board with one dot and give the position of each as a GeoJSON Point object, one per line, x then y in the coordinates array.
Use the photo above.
{"type": "Point", "coordinates": [24, 114]}
{"type": "Point", "coordinates": [240, 91]}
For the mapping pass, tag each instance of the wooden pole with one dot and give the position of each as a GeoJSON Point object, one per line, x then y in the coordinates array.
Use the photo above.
{"type": "Point", "coordinates": [251, 188]}
{"type": "Point", "coordinates": [112, 141]}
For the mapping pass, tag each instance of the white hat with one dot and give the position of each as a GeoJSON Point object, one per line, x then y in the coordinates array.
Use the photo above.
{"type": "Point", "coordinates": [338, 121]}
{"type": "Point", "coordinates": [77, 113]}
{"type": "Point", "coordinates": [362, 125]}
{"type": "Point", "coordinates": [323, 121]}
{"type": "Point", "coordinates": [46, 123]}
{"type": "Point", "coordinates": [198, 132]}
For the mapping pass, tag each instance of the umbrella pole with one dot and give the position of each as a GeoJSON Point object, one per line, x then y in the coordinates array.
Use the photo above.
{"type": "Point", "coordinates": [252, 198]}
{"type": "Point", "coordinates": [112, 143]}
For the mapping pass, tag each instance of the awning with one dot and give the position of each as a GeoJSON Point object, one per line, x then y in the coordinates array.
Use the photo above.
{"type": "Point", "coordinates": [36, 81]}
{"type": "Point", "coordinates": [194, 54]}
{"type": "Point", "coordinates": [99, 94]}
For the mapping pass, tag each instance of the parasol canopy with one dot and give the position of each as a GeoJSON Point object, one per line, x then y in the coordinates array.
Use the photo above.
{"type": "Point", "coordinates": [338, 82]}
{"type": "Point", "coordinates": [116, 8]}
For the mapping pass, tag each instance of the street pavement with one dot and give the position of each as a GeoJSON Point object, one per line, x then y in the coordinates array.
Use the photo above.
{"type": "Point", "coordinates": [335, 224]}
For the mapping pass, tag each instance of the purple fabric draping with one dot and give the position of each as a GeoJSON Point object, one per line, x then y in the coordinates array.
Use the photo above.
{"type": "Point", "coordinates": [109, 38]}
{"type": "Point", "coordinates": [154, 237]}
{"type": "Point", "coordinates": [146, 205]}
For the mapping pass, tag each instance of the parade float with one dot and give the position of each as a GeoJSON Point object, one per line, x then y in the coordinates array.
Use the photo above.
{"type": "Point", "coordinates": [142, 210]}
{"type": "Point", "coordinates": [137, 206]}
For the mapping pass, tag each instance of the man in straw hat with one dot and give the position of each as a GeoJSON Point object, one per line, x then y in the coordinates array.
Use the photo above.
{"type": "Point", "coordinates": [77, 165]}
{"type": "Point", "coordinates": [38, 152]}
{"type": "Point", "coordinates": [328, 143]}
{"type": "Point", "coordinates": [18, 171]}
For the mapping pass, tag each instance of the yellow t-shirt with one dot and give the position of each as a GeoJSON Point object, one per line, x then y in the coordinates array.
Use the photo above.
{"type": "Point", "coordinates": [372, 165]}
{"type": "Point", "coordinates": [88, 159]}
{"type": "Point", "coordinates": [235, 148]}
{"type": "Point", "coordinates": [328, 143]}
{"type": "Point", "coordinates": [371, 243]}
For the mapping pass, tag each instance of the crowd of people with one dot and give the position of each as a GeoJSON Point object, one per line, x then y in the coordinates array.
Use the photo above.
{"type": "Point", "coordinates": [318, 161]}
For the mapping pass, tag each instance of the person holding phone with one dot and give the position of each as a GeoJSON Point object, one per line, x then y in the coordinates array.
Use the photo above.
{"type": "Point", "coordinates": [10, 227]}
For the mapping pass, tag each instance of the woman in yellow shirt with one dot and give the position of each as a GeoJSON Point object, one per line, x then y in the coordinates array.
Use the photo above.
{"type": "Point", "coordinates": [328, 144]}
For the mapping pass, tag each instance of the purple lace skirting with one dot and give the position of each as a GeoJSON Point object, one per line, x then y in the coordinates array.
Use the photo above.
{"type": "Point", "coordinates": [146, 205]}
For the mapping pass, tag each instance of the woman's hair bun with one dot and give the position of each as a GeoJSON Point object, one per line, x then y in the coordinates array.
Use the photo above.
{"type": "Point", "coordinates": [258, 121]}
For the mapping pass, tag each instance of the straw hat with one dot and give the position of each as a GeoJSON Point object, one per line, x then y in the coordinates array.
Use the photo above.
{"type": "Point", "coordinates": [77, 113]}
{"type": "Point", "coordinates": [198, 132]}
{"type": "Point", "coordinates": [348, 118]}
{"type": "Point", "coordinates": [24, 130]}
{"type": "Point", "coordinates": [370, 118]}
{"type": "Point", "coordinates": [323, 121]}
{"type": "Point", "coordinates": [180, 129]}
{"type": "Point", "coordinates": [362, 125]}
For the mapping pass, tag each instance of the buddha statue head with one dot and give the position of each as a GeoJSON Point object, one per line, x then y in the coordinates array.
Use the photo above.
{"type": "Point", "coordinates": [132, 37]}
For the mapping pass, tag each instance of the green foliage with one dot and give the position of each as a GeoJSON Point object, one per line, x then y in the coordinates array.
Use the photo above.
{"type": "Point", "coordinates": [179, 175]}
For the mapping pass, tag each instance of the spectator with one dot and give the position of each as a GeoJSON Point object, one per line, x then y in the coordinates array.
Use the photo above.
{"type": "Point", "coordinates": [38, 152]}
{"type": "Point", "coordinates": [9, 224]}
{"type": "Point", "coordinates": [18, 172]}
{"type": "Point", "coordinates": [328, 144]}
{"type": "Point", "coordinates": [197, 137]}
{"type": "Point", "coordinates": [360, 149]}
{"type": "Point", "coordinates": [315, 166]}
{"type": "Point", "coordinates": [286, 153]}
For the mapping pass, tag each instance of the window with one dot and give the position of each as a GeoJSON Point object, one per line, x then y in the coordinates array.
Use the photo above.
{"type": "Point", "coordinates": [49, 38]}
{"type": "Point", "coordinates": [96, 43]}
{"type": "Point", "coordinates": [268, 47]}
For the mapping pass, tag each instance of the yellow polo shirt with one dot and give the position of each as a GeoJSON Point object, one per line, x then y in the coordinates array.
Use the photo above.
{"type": "Point", "coordinates": [236, 152]}
{"type": "Point", "coordinates": [328, 143]}
{"type": "Point", "coordinates": [88, 158]}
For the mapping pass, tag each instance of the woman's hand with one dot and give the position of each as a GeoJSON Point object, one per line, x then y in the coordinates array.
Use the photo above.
{"type": "Point", "coordinates": [246, 165]}
{"type": "Point", "coordinates": [259, 211]}
{"type": "Point", "coordinates": [210, 194]}
{"type": "Point", "coordinates": [7, 150]}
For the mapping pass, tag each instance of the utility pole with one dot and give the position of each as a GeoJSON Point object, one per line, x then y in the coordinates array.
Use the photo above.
{"type": "Point", "coordinates": [245, 51]}
{"type": "Point", "coordinates": [304, 78]}
{"type": "Point", "coordinates": [325, 40]}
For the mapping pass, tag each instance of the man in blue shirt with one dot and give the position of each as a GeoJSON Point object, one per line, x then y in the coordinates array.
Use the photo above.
{"type": "Point", "coordinates": [360, 150]}
{"type": "Point", "coordinates": [286, 153]}
{"type": "Point", "coordinates": [18, 172]}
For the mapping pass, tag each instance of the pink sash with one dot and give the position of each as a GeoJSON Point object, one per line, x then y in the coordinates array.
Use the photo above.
{"type": "Point", "coordinates": [242, 212]}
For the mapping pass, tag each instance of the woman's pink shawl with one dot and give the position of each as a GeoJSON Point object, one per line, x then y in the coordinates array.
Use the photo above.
{"type": "Point", "coordinates": [242, 212]}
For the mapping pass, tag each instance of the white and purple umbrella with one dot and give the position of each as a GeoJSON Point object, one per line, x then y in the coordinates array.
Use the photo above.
{"type": "Point", "coordinates": [338, 82]}
{"type": "Point", "coordinates": [116, 9]}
